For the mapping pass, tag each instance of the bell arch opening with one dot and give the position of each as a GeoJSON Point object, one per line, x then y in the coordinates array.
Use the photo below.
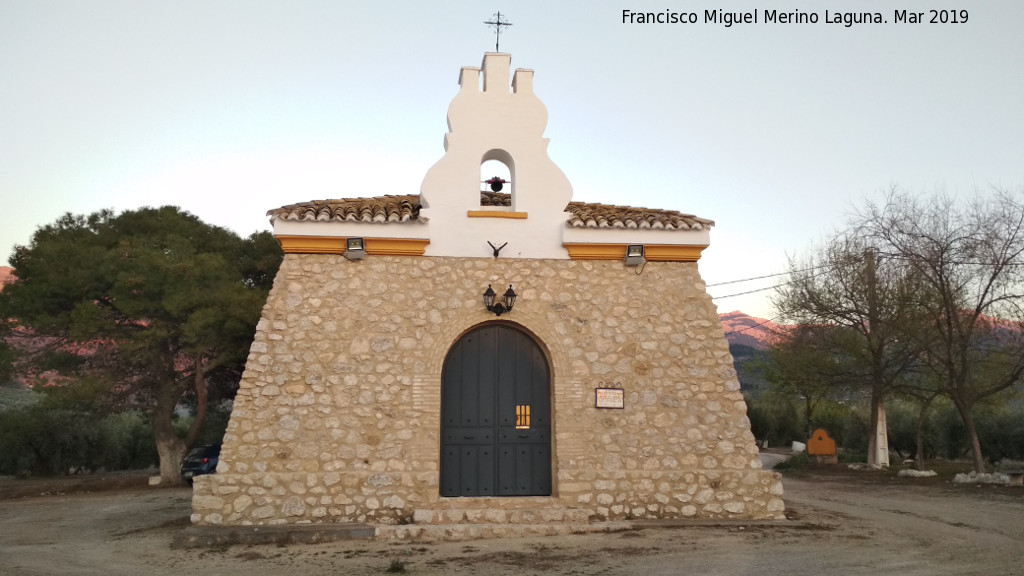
{"type": "Point", "coordinates": [497, 179]}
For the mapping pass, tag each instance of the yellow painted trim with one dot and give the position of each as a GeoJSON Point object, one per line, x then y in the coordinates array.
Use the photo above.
{"type": "Point", "coordinates": [311, 244]}
{"type": "Point", "coordinates": [596, 251]}
{"type": "Point", "coordinates": [489, 214]}
{"type": "Point", "coordinates": [672, 253]}
{"type": "Point", "coordinates": [336, 245]}
{"type": "Point", "coordinates": [652, 252]}
{"type": "Point", "coordinates": [396, 246]}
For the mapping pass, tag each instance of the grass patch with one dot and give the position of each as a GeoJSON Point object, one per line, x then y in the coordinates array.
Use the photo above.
{"type": "Point", "coordinates": [798, 461]}
{"type": "Point", "coordinates": [851, 457]}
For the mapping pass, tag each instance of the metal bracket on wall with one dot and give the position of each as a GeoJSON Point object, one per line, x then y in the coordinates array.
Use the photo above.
{"type": "Point", "coordinates": [497, 249]}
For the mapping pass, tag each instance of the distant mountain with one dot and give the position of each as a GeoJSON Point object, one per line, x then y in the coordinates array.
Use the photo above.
{"type": "Point", "coordinates": [748, 339]}
{"type": "Point", "coordinates": [6, 276]}
{"type": "Point", "coordinates": [745, 331]}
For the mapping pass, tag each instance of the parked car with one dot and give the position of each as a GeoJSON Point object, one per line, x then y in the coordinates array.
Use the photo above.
{"type": "Point", "coordinates": [199, 461]}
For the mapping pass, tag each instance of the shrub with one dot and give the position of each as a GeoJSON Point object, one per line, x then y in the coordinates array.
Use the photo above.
{"type": "Point", "coordinates": [774, 420]}
{"type": "Point", "coordinates": [48, 439]}
{"type": "Point", "coordinates": [1001, 433]}
{"type": "Point", "coordinates": [797, 461]}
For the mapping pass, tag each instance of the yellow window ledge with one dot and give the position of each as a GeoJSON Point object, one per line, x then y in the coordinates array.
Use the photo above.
{"type": "Point", "coordinates": [489, 214]}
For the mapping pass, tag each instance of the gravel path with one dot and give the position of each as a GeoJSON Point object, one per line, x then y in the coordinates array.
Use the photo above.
{"type": "Point", "coordinates": [839, 525]}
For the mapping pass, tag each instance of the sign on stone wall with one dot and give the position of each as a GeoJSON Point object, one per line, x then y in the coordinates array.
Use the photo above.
{"type": "Point", "coordinates": [609, 398]}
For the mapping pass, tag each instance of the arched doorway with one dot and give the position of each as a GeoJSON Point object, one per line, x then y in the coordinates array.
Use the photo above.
{"type": "Point", "coordinates": [495, 415]}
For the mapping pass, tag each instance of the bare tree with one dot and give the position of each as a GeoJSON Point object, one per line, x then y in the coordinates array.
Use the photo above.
{"type": "Point", "coordinates": [806, 362]}
{"type": "Point", "coordinates": [968, 261]}
{"type": "Point", "coordinates": [921, 388]}
{"type": "Point", "coordinates": [846, 285]}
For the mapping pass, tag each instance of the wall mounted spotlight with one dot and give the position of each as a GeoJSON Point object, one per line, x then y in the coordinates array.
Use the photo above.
{"type": "Point", "coordinates": [634, 255]}
{"type": "Point", "coordinates": [355, 249]}
{"type": "Point", "coordinates": [499, 307]}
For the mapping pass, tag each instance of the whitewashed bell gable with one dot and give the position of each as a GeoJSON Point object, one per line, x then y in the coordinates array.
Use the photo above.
{"type": "Point", "coordinates": [496, 123]}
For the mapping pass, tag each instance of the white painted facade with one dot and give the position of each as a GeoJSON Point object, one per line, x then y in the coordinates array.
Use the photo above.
{"type": "Point", "coordinates": [496, 124]}
{"type": "Point", "coordinates": [495, 117]}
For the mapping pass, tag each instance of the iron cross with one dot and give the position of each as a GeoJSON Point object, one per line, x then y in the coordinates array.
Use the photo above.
{"type": "Point", "coordinates": [497, 23]}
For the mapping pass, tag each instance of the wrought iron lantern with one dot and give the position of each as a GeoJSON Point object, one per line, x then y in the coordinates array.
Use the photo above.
{"type": "Point", "coordinates": [499, 307]}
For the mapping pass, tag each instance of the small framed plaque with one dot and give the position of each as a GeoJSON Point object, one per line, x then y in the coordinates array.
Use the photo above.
{"type": "Point", "coordinates": [613, 398]}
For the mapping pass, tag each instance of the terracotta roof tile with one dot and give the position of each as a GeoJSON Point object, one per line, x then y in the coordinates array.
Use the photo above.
{"type": "Point", "coordinates": [381, 209]}
{"type": "Point", "coordinates": [384, 209]}
{"type": "Point", "coordinates": [584, 215]}
{"type": "Point", "coordinates": [495, 199]}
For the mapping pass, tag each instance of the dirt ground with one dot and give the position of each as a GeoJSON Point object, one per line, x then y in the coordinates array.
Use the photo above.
{"type": "Point", "coordinates": [841, 522]}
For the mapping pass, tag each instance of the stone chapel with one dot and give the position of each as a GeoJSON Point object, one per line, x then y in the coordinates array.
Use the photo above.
{"type": "Point", "coordinates": [489, 352]}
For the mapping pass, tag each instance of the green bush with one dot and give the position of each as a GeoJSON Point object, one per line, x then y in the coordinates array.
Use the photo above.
{"type": "Point", "coordinates": [41, 440]}
{"type": "Point", "coordinates": [901, 419]}
{"type": "Point", "coordinates": [797, 461]}
{"type": "Point", "coordinates": [774, 420]}
{"type": "Point", "coordinates": [214, 426]}
{"type": "Point", "coordinates": [1000, 427]}
{"type": "Point", "coordinates": [951, 436]}
{"type": "Point", "coordinates": [129, 442]}
{"type": "Point", "coordinates": [46, 438]}
{"type": "Point", "coordinates": [839, 420]}
{"type": "Point", "coordinates": [1001, 433]}
{"type": "Point", "coordinates": [849, 457]}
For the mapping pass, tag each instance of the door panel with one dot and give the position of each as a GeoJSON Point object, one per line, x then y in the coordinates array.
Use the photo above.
{"type": "Point", "coordinates": [495, 415]}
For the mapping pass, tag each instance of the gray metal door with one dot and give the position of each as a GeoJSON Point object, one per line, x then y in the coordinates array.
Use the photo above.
{"type": "Point", "coordinates": [495, 415]}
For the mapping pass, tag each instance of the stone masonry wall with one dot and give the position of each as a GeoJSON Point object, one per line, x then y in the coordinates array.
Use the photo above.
{"type": "Point", "coordinates": [337, 418]}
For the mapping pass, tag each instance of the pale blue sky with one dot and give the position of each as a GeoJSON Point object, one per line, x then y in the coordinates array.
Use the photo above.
{"type": "Point", "coordinates": [231, 108]}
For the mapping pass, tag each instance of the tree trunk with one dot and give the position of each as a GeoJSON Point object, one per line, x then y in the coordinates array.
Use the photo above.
{"type": "Point", "coordinates": [919, 459]}
{"type": "Point", "coordinates": [169, 447]}
{"type": "Point", "coordinates": [878, 443]}
{"type": "Point", "coordinates": [977, 459]}
{"type": "Point", "coordinates": [172, 453]}
{"type": "Point", "coordinates": [40, 463]}
{"type": "Point", "coordinates": [808, 413]}
{"type": "Point", "coordinates": [202, 394]}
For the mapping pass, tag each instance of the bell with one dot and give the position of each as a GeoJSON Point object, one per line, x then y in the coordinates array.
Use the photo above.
{"type": "Point", "coordinates": [496, 184]}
